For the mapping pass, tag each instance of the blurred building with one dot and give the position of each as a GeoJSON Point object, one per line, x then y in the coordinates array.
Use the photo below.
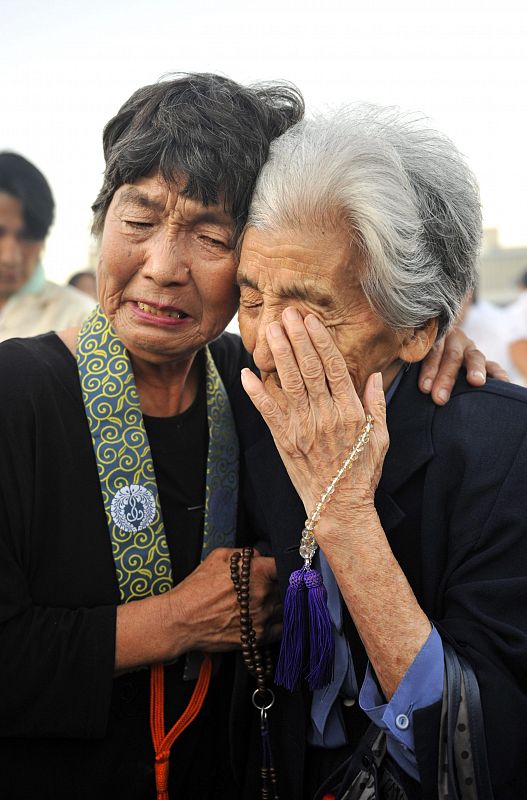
{"type": "Point", "coordinates": [500, 268]}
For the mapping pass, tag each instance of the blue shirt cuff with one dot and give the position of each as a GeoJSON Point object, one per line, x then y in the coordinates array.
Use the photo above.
{"type": "Point", "coordinates": [421, 686]}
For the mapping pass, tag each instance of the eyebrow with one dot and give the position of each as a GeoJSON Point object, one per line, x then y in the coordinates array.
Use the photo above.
{"type": "Point", "coordinates": [295, 291]}
{"type": "Point", "coordinates": [134, 196]}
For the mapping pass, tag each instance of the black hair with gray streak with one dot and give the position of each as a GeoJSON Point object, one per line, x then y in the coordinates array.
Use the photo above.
{"type": "Point", "coordinates": [207, 128]}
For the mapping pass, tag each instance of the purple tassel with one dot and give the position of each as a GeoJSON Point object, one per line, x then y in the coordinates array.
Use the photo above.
{"type": "Point", "coordinates": [290, 660]}
{"type": "Point", "coordinates": [321, 638]}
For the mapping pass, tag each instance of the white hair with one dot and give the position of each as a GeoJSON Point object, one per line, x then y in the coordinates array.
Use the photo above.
{"type": "Point", "coordinates": [411, 203]}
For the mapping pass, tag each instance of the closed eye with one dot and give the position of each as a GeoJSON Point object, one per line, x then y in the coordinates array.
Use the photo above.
{"type": "Point", "coordinates": [210, 240]}
{"type": "Point", "coordinates": [249, 297]}
{"type": "Point", "coordinates": [250, 303]}
{"type": "Point", "coordinates": [133, 223]}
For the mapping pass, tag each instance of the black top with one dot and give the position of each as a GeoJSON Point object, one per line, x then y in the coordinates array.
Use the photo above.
{"type": "Point", "coordinates": [69, 729]}
{"type": "Point", "coordinates": [179, 452]}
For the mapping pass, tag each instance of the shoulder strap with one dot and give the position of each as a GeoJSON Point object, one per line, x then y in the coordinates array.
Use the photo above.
{"type": "Point", "coordinates": [477, 731]}
{"type": "Point", "coordinates": [464, 703]}
{"type": "Point", "coordinates": [453, 697]}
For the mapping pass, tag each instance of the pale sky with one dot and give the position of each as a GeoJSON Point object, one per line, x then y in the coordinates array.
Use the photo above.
{"type": "Point", "coordinates": [66, 67]}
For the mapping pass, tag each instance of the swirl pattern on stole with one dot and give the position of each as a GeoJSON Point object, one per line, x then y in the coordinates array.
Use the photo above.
{"type": "Point", "coordinates": [125, 467]}
{"type": "Point", "coordinates": [122, 453]}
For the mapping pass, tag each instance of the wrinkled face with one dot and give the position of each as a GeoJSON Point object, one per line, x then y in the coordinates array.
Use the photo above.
{"type": "Point", "coordinates": [166, 274]}
{"type": "Point", "coordinates": [19, 253]}
{"type": "Point", "coordinates": [315, 271]}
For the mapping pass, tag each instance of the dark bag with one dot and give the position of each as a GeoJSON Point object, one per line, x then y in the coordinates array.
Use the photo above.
{"type": "Point", "coordinates": [370, 773]}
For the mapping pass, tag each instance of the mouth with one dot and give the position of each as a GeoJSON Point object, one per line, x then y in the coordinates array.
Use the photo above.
{"type": "Point", "coordinates": [156, 311]}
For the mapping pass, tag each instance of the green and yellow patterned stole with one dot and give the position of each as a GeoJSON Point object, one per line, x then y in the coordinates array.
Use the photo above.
{"type": "Point", "coordinates": [124, 462]}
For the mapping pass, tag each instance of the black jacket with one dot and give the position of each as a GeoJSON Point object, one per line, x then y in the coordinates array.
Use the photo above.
{"type": "Point", "coordinates": [453, 503]}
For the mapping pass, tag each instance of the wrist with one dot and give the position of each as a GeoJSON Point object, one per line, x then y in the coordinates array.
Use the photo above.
{"type": "Point", "coordinates": [346, 520]}
{"type": "Point", "coordinates": [177, 633]}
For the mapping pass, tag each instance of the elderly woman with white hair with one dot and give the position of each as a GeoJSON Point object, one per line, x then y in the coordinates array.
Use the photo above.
{"type": "Point", "coordinates": [361, 243]}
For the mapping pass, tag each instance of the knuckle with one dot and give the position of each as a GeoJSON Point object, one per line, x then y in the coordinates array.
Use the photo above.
{"type": "Point", "coordinates": [311, 367]}
{"type": "Point", "coordinates": [268, 407]}
{"type": "Point", "coordinates": [473, 352]}
{"type": "Point", "coordinates": [454, 352]}
{"type": "Point", "coordinates": [218, 554]}
{"type": "Point", "coordinates": [336, 368]}
{"type": "Point", "coordinates": [293, 381]}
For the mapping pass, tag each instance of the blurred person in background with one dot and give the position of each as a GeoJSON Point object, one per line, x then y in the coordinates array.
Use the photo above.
{"type": "Point", "coordinates": [501, 332]}
{"type": "Point", "coordinates": [30, 304]}
{"type": "Point", "coordinates": [516, 314]}
{"type": "Point", "coordinates": [85, 282]}
{"type": "Point", "coordinates": [487, 324]}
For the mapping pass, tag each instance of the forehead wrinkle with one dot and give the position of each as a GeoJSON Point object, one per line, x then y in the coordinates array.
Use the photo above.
{"type": "Point", "coordinates": [185, 207]}
{"type": "Point", "coordinates": [192, 209]}
{"type": "Point", "coordinates": [134, 196]}
{"type": "Point", "coordinates": [295, 291]}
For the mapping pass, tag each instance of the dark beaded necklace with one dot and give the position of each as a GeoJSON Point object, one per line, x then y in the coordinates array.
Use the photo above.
{"type": "Point", "coordinates": [258, 664]}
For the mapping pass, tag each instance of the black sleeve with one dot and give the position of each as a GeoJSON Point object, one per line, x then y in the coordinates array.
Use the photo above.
{"type": "Point", "coordinates": [57, 658]}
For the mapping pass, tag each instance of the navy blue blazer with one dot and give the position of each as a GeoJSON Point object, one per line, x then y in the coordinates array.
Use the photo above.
{"type": "Point", "coordinates": [452, 501]}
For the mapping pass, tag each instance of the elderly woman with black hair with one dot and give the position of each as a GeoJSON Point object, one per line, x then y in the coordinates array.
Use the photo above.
{"type": "Point", "coordinates": [120, 469]}
{"type": "Point", "coordinates": [119, 464]}
{"type": "Point", "coordinates": [361, 244]}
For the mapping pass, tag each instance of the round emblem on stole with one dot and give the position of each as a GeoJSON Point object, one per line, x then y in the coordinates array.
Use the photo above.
{"type": "Point", "coordinates": [133, 508]}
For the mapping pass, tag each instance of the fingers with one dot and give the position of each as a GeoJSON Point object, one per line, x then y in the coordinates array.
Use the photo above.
{"type": "Point", "coordinates": [263, 401]}
{"type": "Point", "coordinates": [264, 566]}
{"type": "Point", "coordinates": [458, 351]}
{"type": "Point", "coordinates": [335, 368]}
{"type": "Point", "coordinates": [210, 606]}
{"type": "Point", "coordinates": [264, 599]}
{"type": "Point", "coordinates": [495, 370]}
{"type": "Point", "coordinates": [475, 364]}
{"type": "Point", "coordinates": [375, 404]}
{"type": "Point", "coordinates": [306, 368]}
{"type": "Point", "coordinates": [442, 366]}
{"type": "Point", "coordinates": [286, 366]}
{"type": "Point", "coordinates": [374, 399]}
{"type": "Point", "coordinates": [319, 362]}
{"type": "Point", "coordinates": [430, 367]}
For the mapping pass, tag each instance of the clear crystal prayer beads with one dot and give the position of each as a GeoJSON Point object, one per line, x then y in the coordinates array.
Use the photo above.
{"type": "Point", "coordinates": [308, 545]}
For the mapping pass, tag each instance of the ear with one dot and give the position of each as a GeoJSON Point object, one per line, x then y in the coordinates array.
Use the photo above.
{"type": "Point", "coordinates": [418, 343]}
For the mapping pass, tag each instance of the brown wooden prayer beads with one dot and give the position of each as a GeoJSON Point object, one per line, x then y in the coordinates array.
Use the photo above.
{"type": "Point", "coordinates": [258, 665]}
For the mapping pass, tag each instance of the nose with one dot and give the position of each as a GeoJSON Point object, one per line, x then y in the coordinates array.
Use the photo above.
{"type": "Point", "coordinates": [167, 263]}
{"type": "Point", "coordinates": [10, 250]}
